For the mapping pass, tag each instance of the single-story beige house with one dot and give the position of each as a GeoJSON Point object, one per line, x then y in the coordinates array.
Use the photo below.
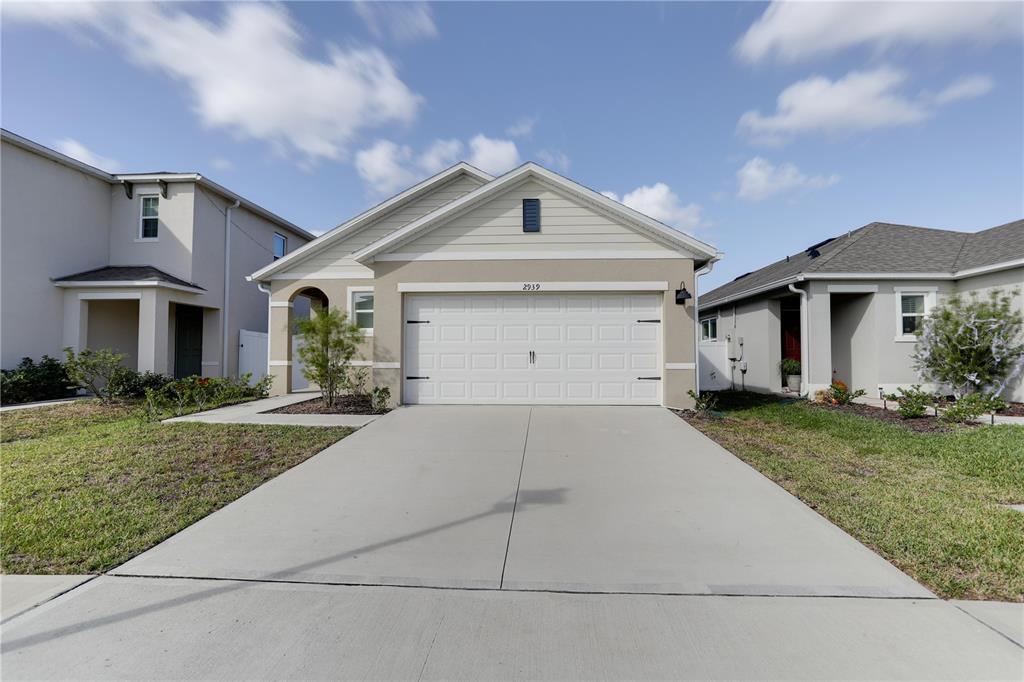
{"type": "Point", "coordinates": [528, 288]}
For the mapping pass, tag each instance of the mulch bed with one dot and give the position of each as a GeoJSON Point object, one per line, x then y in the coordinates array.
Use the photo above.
{"type": "Point", "coordinates": [922, 424]}
{"type": "Point", "coordinates": [1013, 410]}
{"type": "Point", "coordinates": [346, 404]}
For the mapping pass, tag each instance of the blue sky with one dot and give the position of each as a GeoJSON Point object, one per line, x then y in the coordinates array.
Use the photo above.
{"type": "Point", "coordinates": [759, 128]}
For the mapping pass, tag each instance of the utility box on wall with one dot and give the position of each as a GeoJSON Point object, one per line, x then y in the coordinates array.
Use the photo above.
{"type": "Point", "coordinates": [735, 344]}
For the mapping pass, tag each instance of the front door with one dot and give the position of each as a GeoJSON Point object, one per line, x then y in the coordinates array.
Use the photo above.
{"type": "Point", "coordinates": [188, 341]}
{"type": "Point", "coordinates": [790, 333]}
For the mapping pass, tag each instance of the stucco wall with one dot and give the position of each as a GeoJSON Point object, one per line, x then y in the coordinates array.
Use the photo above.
{"type": "Point", "coordinates": [115, 324]}
{"type": "Point", "coordinates": [757, 323]}
{"type": "Point", "coordinates": [53, 222]}
{"type": "Point", "coordinates": [172, 250]}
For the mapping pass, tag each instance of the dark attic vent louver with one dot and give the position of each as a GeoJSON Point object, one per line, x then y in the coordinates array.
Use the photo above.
{"type": "Point", "coordinates": [531, 215]}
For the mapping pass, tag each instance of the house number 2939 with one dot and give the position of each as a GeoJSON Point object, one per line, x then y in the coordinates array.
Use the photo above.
{"type": "Point", "coordinates": [531, 286]}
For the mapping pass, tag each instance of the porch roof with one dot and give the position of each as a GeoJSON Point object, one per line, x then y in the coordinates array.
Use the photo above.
{"type": "Point", "coordinates": [126, 276]}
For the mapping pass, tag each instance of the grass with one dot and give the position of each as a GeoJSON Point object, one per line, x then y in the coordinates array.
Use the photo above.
{"type": "Point", "coordinates": [85, 487]}
{"type": "Point", "coordinates": [930, 503]}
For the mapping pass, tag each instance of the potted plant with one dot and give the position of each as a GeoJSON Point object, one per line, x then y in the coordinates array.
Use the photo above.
{"type": "Point", "coordinates": [790, 370]}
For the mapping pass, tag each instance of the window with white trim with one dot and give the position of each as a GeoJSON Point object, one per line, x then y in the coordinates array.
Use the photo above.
{"type": "Point", "coordinates": [149, 216]}
{"type": "Point", "coordinates": [362, 310]}
{"type": "Point", "coordinates": [912, 312]}
{"type": "Point", "coordinates": [709, 329]}
{"type": "Point", "coordinates": [280, 245]}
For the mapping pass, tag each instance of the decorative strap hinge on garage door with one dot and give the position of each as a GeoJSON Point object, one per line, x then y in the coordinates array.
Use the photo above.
{"type": "Point", "coordinates": [420, 378]}
{"type": "Point", "coordinates": [648, 378]}
{"type": "Point", "coordinates": [417, 321]}
{"type": "Point", "coordinates": [651, 321]}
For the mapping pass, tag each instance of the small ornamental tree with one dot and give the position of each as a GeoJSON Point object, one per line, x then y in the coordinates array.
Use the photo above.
{"type": "Point", "coordinates": [971, 345]}
{"type": "Point", "coordinates": [330, 342]}
{"type": "Point", "coordinates": [93, 369]}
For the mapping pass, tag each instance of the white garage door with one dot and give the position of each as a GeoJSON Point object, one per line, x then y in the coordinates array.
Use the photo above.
{"type": "Point", "coordinates": [571, 349]}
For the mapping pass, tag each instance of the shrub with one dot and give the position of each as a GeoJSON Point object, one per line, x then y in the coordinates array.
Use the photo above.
{"type": "Point", "coordinates": [380, 399]}
{"type": "Point", "coordinates": [789, 367]}
{"type": "Point", "coordinates": [330, 342]}
{"type": "Point", "coordinates": [971, 345]}
{"type": "Point", "coordinates": [913, 402]}
{"type": "Point", "coordinates": [965, 409]}
{"type": "Point", "coordinates": [29, 381]}
{"type": "Point", "coordinates": [195, 394]}
{"type": "Point", "coordinates": [839, 394]}
{"type": "Point", "coordinates": [93, 369]}
{"type": "Point", "coordinates": [704, 402]}
{"type": "Point", "coordinates": [128, 384]}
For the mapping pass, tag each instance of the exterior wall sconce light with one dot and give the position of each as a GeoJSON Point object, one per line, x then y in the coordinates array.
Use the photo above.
{"type": "Point", "coordinates": [682, 295]}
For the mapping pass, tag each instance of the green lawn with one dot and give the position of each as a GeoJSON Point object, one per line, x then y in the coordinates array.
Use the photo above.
{"type": "Point", "coordinates": [84, 487]}
{"type": "Point", "coordinates": [931, 503]}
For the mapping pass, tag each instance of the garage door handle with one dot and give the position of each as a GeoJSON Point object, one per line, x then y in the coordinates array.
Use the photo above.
{"type": "Point", "coordinates": [652, 321]}
{"type": "Point", "coordinates": [648, 378]}
{"type": "Point", "coordinates": [421, 378]}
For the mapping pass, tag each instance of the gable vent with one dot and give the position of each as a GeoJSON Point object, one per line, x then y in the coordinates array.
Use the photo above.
{"type": "Point", "coordinates": [531, 215]}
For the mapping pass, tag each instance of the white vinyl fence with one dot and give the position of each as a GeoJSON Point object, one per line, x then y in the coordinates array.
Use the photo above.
{"type": "Point", "coordinates": [252, 357]}
{"type": "Point", "coordinates": [714, 366]}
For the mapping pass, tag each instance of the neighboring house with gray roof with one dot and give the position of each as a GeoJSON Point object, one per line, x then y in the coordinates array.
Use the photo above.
{"type": "Point", "coordinates": [134, 262]}
{"type": "Point", "coordinates": [847, 307]}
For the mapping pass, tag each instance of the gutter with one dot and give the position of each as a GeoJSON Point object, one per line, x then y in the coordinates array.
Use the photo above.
{"type": "Point", "coordinates": [805, 342]}
{"type": "Point", "coordinates": [226, 308]}
{"type": "Point", "coordinates": [703, 270]}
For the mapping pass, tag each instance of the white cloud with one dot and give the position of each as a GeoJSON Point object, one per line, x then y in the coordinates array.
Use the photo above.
{"type": "Point", "coordinates": [967, 87]}
{"type": "Point", "coordinates": [77, 150]}
{"type": "Point", "coordinates": [53, 13]}
{"type": "Point", "coordinates": [493, 156]}
{"type": "Point", "coordinates": [793, 31]}
{"type": "Point", "coordinates": [759, 179]}
{"type": "Point", "coordinates": [222, 164]}
{"type": "Point", "coordinates": [522, 128]}
{"type": "Point", "coordinates": [247, 74]}
{"type": "Point", "coordinates": [859, 101]}
{"type": "Point", "coordinates": [385, 167]}
{"type": "Point", "coordinates": [403, 21]}
{"type": "Point", "coordinates": [388, 167]}
{"type": "Point", "coordinates": [659, 202]}
{"type": "Point", "coordinates": [556, 160]}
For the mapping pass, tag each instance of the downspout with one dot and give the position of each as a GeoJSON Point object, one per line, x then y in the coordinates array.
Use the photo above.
{"type": "Point", "coordinates": [805, 345]}
{"type": "Point", "coordinates": [265, 289]}
{"type": "Point", "coordinates": [705, 269]}
{"type": "Point", "coordinates": [226, 307]}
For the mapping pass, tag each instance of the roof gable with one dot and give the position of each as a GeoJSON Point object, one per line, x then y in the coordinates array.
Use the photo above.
{"type": "Point", "coordinates": [392, 208]}
{"type": "Point", "coordinates": [585, 197]}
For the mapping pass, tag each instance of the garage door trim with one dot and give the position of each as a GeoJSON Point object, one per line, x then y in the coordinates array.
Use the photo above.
{"type": "Point", "coordinates": [522, 286]}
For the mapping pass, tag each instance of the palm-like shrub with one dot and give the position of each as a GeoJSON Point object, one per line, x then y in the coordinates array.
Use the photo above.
{"type": "Point", "coordinates": [971, 345]}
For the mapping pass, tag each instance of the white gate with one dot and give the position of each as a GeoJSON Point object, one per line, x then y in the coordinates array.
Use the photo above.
{"type": "Point", "coordinates": [252, 357]}
{"type": "Point", "coordinates": [714, 366]}
{"type": "Point", "coordinates": [252, 354]}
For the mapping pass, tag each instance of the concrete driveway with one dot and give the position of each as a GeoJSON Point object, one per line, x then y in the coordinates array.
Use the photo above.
{"type": "Point", "coordinates": [584, 499]}
{"type": "Point", "coordinates": [510, 542]}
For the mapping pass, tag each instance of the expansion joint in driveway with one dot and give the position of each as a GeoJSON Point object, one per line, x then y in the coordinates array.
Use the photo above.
{"type": "Point", "coordinates": [515, 503]}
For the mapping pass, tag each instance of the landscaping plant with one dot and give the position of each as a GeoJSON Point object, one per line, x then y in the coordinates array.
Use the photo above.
{"type": "Point", "coordinates": [30, 381]}
{"type": "Point", "coordinates": [93, 369]}
{"type": "Point", "coordinates": [839, 394]}
{"type": "Point", "coordinates": [789, 367]}
{"type": "Point", "coordinates": [704, 402]}
{"type": "Point", "coordinates": [195, 394]}
{"type": "Point", "coordinates": [913, 402]}
{"type": "Point", "coordinates": [129, 384]}
{"type": "Point", "coordinates": [380, 398]}
{"type": "Point", "coordinates": [330, 342]}
{"type": "Point", "coordinates": [971, 345]}
{"type": "Point", "coordinates": [965, 409]}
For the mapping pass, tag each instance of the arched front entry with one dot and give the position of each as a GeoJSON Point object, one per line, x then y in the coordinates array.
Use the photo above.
{"type": "Point", "coordinates": [286, 308]}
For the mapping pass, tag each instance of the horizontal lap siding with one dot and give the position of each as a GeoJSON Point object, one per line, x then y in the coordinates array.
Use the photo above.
{"type": "Point", "coordinates": [335, 257]}
{"type": "Point", "coordinates": [565, 225]}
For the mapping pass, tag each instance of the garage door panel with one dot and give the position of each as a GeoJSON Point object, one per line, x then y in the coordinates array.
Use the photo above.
{"type": "Point", "coordinates": [586, 348]}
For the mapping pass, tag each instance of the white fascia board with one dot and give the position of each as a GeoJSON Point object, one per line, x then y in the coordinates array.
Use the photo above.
{"type": "Point", "coordinates": [522, 286]}
{"type": "Point", "coordinates": [73, 284]}
{"type": "Point", "coordinates": [995, 267]}
{"type": "Point", "coordinates": [529, 255]}
{"type": "Point", "coordinates": [353, 225]}
{"type": "Point", "coordinates": [752, 292]}
{"type": "Point", "coordinates": [509, 180]}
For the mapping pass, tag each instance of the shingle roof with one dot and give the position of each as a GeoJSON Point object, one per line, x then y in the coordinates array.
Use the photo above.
{"type": "Point", "coordinates": [126, 273]}
{"type": "Point", "coordinates": [885, 248]}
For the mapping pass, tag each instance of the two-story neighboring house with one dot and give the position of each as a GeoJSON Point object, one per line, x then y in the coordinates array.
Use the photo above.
{"type": "Point", "coordinates": [152, 265]}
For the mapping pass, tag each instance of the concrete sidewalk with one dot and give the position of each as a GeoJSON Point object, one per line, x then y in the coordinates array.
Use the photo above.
{"type": "Point", "coordinates": [138, 628]}
{"type": "Point", "coordinates": [254, 412]}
